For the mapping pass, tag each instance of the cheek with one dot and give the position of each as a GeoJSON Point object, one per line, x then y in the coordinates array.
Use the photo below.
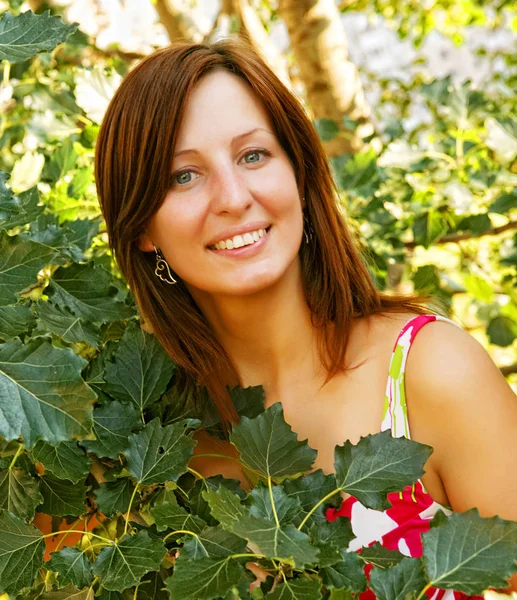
{"type": "Point", "coordinates": [177, 220]}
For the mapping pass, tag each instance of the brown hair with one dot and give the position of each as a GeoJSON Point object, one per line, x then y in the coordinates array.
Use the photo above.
{"type": "Point", "coordinates": [132, 166]}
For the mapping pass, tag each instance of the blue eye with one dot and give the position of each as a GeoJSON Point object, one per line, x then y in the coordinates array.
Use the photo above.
{"type": "Point", "coordinates": [183, 178]}
{"type": "Point", "coordinates": [252, 154]}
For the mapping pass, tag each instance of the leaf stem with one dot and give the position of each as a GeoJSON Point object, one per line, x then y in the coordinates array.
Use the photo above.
{"type": "Point", "coordinates": [247, 556]}
{"type": "Point", "coordinates": [307, 516]}
{"type": "Point", "coordinates": [216, 456]}
{"type": "Point", "coordinates": [198, 475]}
{"type": "Point", "coordinates": [422, 593]}
{"type": "Point", "coordinates": [180, 531]}
{"type": "Point", "coordinates": [18, 452]}
{"type": "Point", "coordinates": [136, 591]}
{"type": "Point", "coordinates": [99, 537]}
{"type": "Point", "coordinates": [7, 72]}
{"type": "Point", "coordinates": [60, 543]}
{"type": "Point", "coordinates": [129, 509]}
{"type": "Point", "coordinates": [275, 514]}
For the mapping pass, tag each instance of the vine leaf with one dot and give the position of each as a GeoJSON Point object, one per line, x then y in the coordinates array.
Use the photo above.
{"type": "Point", "coordinates": [213, 542]}
{"type": "Point", "coordinates": [297, 589]}
{"type": "Point", "coordinates": [20, 544]}
{"type": "Point", "coordinates": [67, 460]}
{"type": "Point", "coordinates": [399, 582]}
{"type": "Point", "coordinates": [19, 493]}
{"type": "Point", "coordinates": [23, 36]}
{"type": "Point", "coordinates": [61, 497]}
{"type": "Point", "coordinates": [268, 445]}
{"type": "Point", "coordinates": [112, 424]}
{"type": "Point", "coordinates": [42, 395]}
{"type": "Point", "coordinates": [114, 496]}
{"type": "Point", "coordinates": [124, 564]}
{"type": "Point", "coordinates": [346, 574]}
{"type": "Point", "coordinates": [470, 554]}
{"type": "Point", "coordinates": [64, 324]}
{"type": "Point", "coordinates": [377, 465]}
{"type": "Point", "coordinates": [72, 565]}
{"type": "Point", "coordinates": [141, 369]}
{"type": "Point", "coordinates": [204, 579]}
{"type": "Point", "coordinates": [16, 210]}
{"type": "Point", "coordinates": [14, 320]}
{"type": "Point", "coordinates": [378, 556]}
{"type": "Point", "coordinates": [89, 294]}
{"type": "Point", "coordinates": [158, 454]}
{"type": "Point", "coordinates": [170, 515]}
{"type": "Point", "coordinates": [259, 502]}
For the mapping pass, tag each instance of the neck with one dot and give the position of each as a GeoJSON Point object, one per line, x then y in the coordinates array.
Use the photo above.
{"type": "Point", "coordinates": [268, 336]}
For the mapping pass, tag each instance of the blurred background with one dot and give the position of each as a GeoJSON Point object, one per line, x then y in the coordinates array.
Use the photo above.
{"type": "Point", "coordinates": [415, 102]}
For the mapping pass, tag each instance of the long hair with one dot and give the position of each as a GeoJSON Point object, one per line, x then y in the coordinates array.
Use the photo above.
{"type": "Point", "coordinates": [132, 166]}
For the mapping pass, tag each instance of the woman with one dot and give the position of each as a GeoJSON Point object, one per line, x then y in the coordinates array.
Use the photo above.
{"type": "Point", "coordinates": [222, 215]}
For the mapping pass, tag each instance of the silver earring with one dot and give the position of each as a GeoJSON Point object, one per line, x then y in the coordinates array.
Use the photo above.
{"type": "Point", "coordinates": [163, 271]}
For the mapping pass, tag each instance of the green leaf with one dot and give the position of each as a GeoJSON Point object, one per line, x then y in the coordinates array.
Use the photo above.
{"type": "Point", "coordinates": [34, 399]}
{"type": "Point", "coordinates": [23, 36]}
{"type": "Point", "coordinates": [81, 232]}
{"type": "Point", "coordinates": [204, 579]}
{"type": "Point", "coordinates": [327, 129]}
{"type": "Point", "coordinates": [428, 228]}
{"type": "Point", "coordinates": [15, 320]}
{"type": "Point", "coordinates": [19, 493]}
{"type": "Point", "coordinates": [170, 515]}
{"type": "Point", "coordinates": [475, 223]}
{"type": "Point", "coordinates": [112, 424]}
{"type": "Point", "coordinates": [479, 288]}
{"type": "Point", "coordinates": [20, 262]}
{"type": "Point", "coordinates": [502, 331]}
{"type": "Point", "coordinates": [378, 556]}
{"type": "Point", "coordinates": [347, 574]}
{"type": "Point", "coordinates": [212, 542]}
{"type": "Point", "coordinates": [158, 454]}
{"type": "Point", "coordinates": [259, 501]}
{"type": "Point", "coordinates": [63, 323]}
{"type": "Point", "coordinates": [336, 533]}
{"type": "Point", "coordinates": [72, 566]}
{"type": "Point", "coordinates": [377, 465]}
{"type": "Point", "coordinates": [66, 460]}
{"type": "Point", "coordinates": [87, 291]}
{"type": "Point", "coordinates": [199, 506]}
{"type": "Point", "coordinates": [153, 588]}
{"type": "Point", "coordinates": [268, 445]}
{"type": "Point", "coordinates": [504, 203]}
{"type": "Point", "coordinates": [471, 554]}
{"type": "Point", "coordinates": [16, 210]}
{"type": "Point", "coordinates": [20, 544]}
{"type": "Point", "coordinates": [309, 490]}
{"type": "Point", "coordinates": [399, 582]}
{"type": "Point", "coordinates": [141, 369]}
{"type": "Point", "coordinates": [63, 160]}
{"type": "Point", "coordinates": [47, 231]}
{"type": "Point", "coordinates": [297, 589]}
{"type": "Point", "coordinates": [62, 497]}
{"type": "Point", "coordinates": [122, 565]}
{"type": "Point", "coordinates": [114, 496]}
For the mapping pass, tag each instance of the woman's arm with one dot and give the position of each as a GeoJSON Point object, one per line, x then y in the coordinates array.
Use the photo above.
{"type": "Point", "coordinates": [459, 403]}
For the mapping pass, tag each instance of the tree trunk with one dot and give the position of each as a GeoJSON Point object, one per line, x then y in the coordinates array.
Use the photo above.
{"type": "Point", "coordinates": [331, 81]}
{"type": "Point", "coordinates": [178, 24]}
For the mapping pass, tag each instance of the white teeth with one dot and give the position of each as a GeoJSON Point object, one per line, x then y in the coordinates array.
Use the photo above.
{"type": "Point", "coordinates": [240, 240]}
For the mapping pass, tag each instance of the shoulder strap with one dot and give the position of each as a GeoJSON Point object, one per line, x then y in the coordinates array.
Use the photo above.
{"type": "Point", "coordinates": [395, 416]}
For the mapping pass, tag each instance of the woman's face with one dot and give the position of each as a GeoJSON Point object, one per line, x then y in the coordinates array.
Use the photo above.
{"type": "Point", "coordinates": [231, 222]}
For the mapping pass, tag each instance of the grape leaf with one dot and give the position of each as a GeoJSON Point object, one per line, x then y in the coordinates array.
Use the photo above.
{"type": "Point", "coordinates": [399, 582]}
{"type": "Point", "coordinates": [15, 320]}
{"type": "Point", "coordinates": [72, 566]}
{"type": "Point", "coordinates": [377, 465]}
{"type": "Point", "coordinates": [170, 515]}
{"type": "Point", "coordinates": [471, 554]}
{"type": "Point", "coordinates": [20, 262]}
{"type": "Point", "coordinates": [346, 574]}
{"type": "Point", "coordinates": [199, 506]}
{"type": "Point", "coordinates": [268, 445]}
{"type": "Point", "coordinates": [141, 369]}
{"type": "Point", "coordinates": [67, 460]}
{"type": "Point", "coordinates": [63, 323]}
{"type": "Point", "coordinates": [259, 501]}
{"type": "Point", "coordinates": [81, 232]}
{"type": "Point", "coordinates": [204, 579]}
{"type": "Point", "coordinates": [87, 291]}
{"type": "Point", "coordinates": [153, 588]}
{"type": "Point", "coordinates": [158, 454]}
{"type": "Point", "coordinates": [378, 556]}
{"type": "Point", "coordinates": [42, 395]}
{"type": "Point", "coordinates": [297, 589]}
{"type": "Point", "coordinates": [124, 564]}
{"type": "Point", "coordinates": [23, 36]}
{"type": "Point", "coordinates": [112, 424]}
{"type": "Point", "coordinates": [337, 533]}
{"type": "Point", "coordinates": [212, 542]}
{"type": "Point", "coordinates": [21, 553]}
{"type": "Point", "coordinates": [16, 210]}
{"type": "Point", "coordinates": [61, 497]}
{"type": "Point", "coordinates": [114, 496]}
{"type": "Point", "coordinates": [19, 493]}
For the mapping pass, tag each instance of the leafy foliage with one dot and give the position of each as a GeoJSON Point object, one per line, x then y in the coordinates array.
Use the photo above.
{"type": "Point", "coordinates": [94, 430]}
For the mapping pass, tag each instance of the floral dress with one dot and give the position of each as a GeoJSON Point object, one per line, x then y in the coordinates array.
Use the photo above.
{"type": "Point", "coordinates": [401, 526]}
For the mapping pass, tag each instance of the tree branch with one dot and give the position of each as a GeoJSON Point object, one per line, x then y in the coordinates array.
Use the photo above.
{"type": "Point", "coordinates": [508, 370]}
{"type": "Point", "coordinates": [459, 237]}
{"type": "Point", "coordinates": [177, 23]}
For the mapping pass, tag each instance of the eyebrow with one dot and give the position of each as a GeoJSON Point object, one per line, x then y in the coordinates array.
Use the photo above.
{"type": "Point", "coordinates": [234, 139]}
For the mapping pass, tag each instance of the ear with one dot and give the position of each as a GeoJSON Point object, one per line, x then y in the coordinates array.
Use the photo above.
{"type": "Point", "coordinates": [145, 244]}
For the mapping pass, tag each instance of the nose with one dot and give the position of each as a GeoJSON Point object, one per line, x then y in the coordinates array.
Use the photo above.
{"type": "Point", "coordinates": [230, 194]}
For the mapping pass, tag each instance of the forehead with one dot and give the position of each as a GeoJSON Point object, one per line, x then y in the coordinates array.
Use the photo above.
{"type": "Point", "coordinates": [221, 104]}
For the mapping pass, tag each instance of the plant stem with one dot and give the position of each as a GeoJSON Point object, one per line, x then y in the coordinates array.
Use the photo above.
{"type": "Point", "coordinates": [422, 593]}
{"type": "Point", "coordinates": [198, 475]}
{"type": "Point", "coordinates": [180, 531]}
{"type": "Point", "coordinates": [7, 72]}
{"type": "Point", "coordinates": [270, 486]}
{"type": "Point", "coordinates": [59, 544]}
{"type": "Point", "coordinates": [316, 506]}
{"type": "Point", "coordinates": [247, 556]}
{"type": "Point", "coordinates": [18, 452]}
{"type": "Point", "coordinates": [136, 591]}
{"type": "Point", "coordinates": [129, 509]}
{"type": "Point", "coordinates": [216, 456]}
{"type": "Point", "coordinates": [99, 537]}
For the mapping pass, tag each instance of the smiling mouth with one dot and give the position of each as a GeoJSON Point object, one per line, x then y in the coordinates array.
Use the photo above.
{"type": "Point", "coordinates": [239, 241]}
